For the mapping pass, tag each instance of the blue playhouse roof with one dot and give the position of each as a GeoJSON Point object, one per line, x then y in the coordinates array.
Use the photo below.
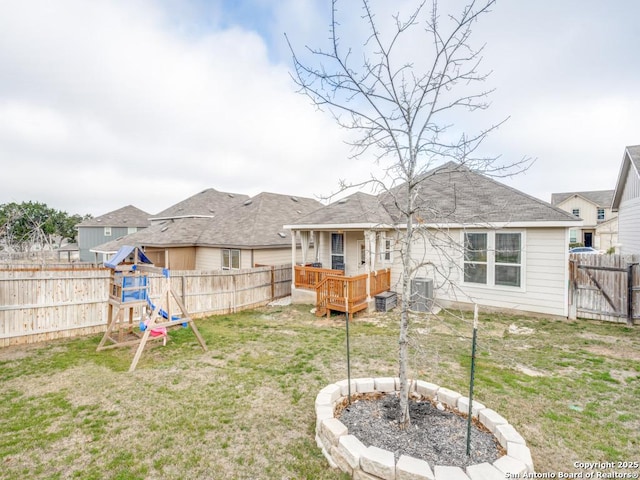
{"type": "Point", "coordinates": [123, 253]}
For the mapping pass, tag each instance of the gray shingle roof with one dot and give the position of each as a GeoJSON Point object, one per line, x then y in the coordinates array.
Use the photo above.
{"type": "Point", "coordinates": [634, 155]}
{"type": "Point", "coordinates": [602, 198]}
{"type": "Point", "coordinates": [357, 208]}
{"type": "Point", "coordinates": [128, 216]}
{"type": "Point", "coordinates": [256, 223]}
{"type": "Point", "coordinates": [450, 194]}
{"type": "Point", "coordinates": [208, 203]}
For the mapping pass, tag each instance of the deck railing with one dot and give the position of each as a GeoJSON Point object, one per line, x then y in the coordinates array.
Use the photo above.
{"type": "Point", "coordinates": [309, 277]}
{"type": "Point", "coordinates": [344, 294]}
{"type": "Point", "coordinates": [379, 281]}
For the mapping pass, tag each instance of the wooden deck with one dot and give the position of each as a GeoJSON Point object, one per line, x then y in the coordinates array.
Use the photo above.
{"type": "Point", "coordinates": [336, 292]}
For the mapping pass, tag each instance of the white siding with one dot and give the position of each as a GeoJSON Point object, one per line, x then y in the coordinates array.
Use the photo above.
{"type": "Point", "coordinates": [588, 210]}
{"type": "Point", "coordinates": [631, 189]}
{"type": "Point", "coordinates": [208, 258]}
{"type": "Point", "coordinates": [279, 256]}
{"type": "Point", "coordinates": [629, 226]}
{"type": "Point", "coordinates": [544, 272]}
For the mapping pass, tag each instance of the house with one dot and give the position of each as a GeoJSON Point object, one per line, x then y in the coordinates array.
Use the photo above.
{"type": "Point", "coordinates": [600, 229]}
{"type": "Point", "coordinates": [95, 231]}
{"type": "Point", "coordinates": [243, 233]}
{"type": "Point", "coordinates": [626, 201]}
{"type": "Point", "coordinates": [475, 241]}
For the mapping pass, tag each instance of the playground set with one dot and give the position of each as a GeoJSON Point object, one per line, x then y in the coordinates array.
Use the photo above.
{"type": "Point", "coordinates": [129, 295]}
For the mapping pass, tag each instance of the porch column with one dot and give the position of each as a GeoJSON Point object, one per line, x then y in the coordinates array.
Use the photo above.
{"type": "Point", "coordinates": [316, 246]}
{"type": "Point", "coordinates": [370, 244]}
{"type": "Point", "coordinates": [293, 259]}
{"type": "Point", "coordinates": [304, 241]}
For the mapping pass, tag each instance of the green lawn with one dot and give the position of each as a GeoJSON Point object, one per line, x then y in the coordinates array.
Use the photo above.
{"type": "Point", "coordinates": [245, 408]}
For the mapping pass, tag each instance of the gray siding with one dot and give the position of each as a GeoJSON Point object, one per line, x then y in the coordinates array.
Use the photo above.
{"type": "Point", "coordinates": [89, 237]}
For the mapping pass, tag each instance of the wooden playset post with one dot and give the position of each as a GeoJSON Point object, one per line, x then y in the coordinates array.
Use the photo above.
{"type": "Point", "coordinates": [129, 290]}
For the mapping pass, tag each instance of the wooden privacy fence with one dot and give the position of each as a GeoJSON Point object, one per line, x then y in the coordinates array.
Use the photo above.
{"type": "Point", "coordinates": [604, 287]}
{"type": "Point", "coordinates": [38, 305]}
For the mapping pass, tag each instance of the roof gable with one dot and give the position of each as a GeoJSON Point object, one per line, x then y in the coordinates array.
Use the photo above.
{"type": "Point", "coordinates": [128, 216]}
{"type": "Point", "coordinates": [630, 164]}
{"type": "Point", "coordinates": [206, 203]}
{"type": "Point", "coordinates": [600, 198]}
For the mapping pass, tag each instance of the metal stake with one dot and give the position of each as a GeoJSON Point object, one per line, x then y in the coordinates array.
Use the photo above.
{"type": "Point", "coordinates": [473, 371]}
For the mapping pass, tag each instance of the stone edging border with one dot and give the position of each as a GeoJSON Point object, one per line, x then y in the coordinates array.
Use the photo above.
{"type": "Point", "coordinates": [347, 453]}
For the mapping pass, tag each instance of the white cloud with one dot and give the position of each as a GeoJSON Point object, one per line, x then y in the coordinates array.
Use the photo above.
{"type": "Point", "coordinates": [145, 102]}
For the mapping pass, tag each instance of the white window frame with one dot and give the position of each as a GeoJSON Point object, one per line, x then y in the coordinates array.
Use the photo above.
{"type": "Point", "coordinates": [230, 254]}
{"type": "Point", "coordinates": [573, 235]}
{"type": "Point", "coordinates": [386, 249]}
{"type": "Point", "coordinates": [491, 262]}
{"type": "Point", "coordinates": [575, 212]}
{"type": "Point", "coordinates": [337, 255]}
{"type": "Point", "coordinates": [601, 217]}
{"type": "Point", "coordinates": [131, 230]}
{"type": "Point", "coordinates": [107, 231]}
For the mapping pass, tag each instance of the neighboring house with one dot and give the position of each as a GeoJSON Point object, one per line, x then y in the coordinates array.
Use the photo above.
{"type": "Point", "coordinates": [626, 201]}
{"type": "Point", "coordinates": [479, 241]}
{"type": "Point", "coordinates": [600, 228]}
{"type": "Point", "coordinates": [243, 235]}
{"type": "Point", "coordinates": [112, 225]}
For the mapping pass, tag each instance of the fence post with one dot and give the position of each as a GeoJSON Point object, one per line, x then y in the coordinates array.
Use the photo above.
{"type": "Point", "coordinates": [630, 294]}
{"type": "Point", "coordinates": [273, 283]}
{"type": "Point", "coordinates": [573, 313]}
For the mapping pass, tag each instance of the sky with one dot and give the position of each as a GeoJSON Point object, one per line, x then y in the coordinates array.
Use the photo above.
{"type": "Point", "coordinates": [147, 102]}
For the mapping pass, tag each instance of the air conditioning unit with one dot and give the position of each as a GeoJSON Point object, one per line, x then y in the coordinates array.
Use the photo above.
{"type": "Point", "coordinates": [421, 294]}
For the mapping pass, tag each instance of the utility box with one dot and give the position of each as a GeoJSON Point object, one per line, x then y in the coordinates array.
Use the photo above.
{"type": "Point", "coordinates": [386, 301]}
{"type": "Point", "coordinates": [421, 294]}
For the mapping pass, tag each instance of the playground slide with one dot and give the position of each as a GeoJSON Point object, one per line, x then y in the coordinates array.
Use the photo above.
{"type": "Point", "coordinates": [163, 313]}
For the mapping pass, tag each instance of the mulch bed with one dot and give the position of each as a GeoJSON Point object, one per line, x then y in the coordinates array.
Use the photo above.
{"type": "Point", "coordinates": [436, 436]}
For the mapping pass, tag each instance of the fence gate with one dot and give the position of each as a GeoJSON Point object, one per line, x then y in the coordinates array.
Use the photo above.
{"type": "Point", "coordinates": [604, 287]}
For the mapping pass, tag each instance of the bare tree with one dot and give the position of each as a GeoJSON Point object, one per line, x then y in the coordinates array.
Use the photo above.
{"type": "Point", "coordinates": [402, 92]}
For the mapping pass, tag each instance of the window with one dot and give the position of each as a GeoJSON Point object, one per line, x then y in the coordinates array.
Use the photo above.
{"type": "Point", "coordinates": [385, 251]}
{"type": "Point", "coordinates": [337, 251]}
{"type": "Point", "coordinates": [475, 257]}
{"type": "Point", "coordinates": [107, 231]}
{"type": "Point", "coordinates": [576, 212]}
{"type": "Point", "coordinates": [573, 236]}
{"type": "Point", "coordinates": [362, 253]}
{"type": "Point", "coordinates": [508, 259]}
{"type": "Point", "coordinates": [601, 214]}
{"type": "Point", "coordinates": [131, 230]}
{"type": "Point", "coordinates": [493, 258]}
{"type": "Point", "coordinates": [230, 259]}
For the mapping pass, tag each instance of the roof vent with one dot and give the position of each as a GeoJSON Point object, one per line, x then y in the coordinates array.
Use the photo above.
{"type": "Point", "coordinates": [165, 228]}
{"type": "Point", "coordinates": [248, 202]}
{"type": "Point", "coordinates": [231, 195]}
{"type": "Point", "coordinates": [282, 235]}
{"type": "Point", "coordinates": [295, 199]}
{"type": "Point", "coordinates": [98, 219]}
{"type": "Point", "coordinates": [342, 201]}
